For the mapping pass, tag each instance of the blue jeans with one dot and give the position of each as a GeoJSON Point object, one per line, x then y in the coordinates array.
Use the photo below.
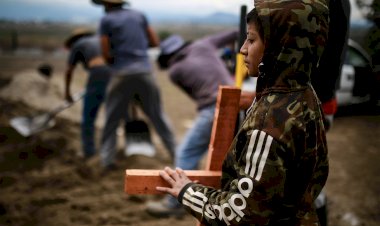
{"type": "Point", "coordinates": [95, 95]}
{"type": "Point", "coordinates": [196, 141]}
{"type": "Point", "coordinates": [195, 144]}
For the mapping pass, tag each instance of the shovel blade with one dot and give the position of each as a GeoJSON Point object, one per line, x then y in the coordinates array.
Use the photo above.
{"type": "Point", "coordinates": [139, 148]}
{"type": "Point", "coordinates": [27, 126]}
{"type": "Point", "coordinates": [138, 139]}
{"type": "Point", "coordinates": [31, 125]}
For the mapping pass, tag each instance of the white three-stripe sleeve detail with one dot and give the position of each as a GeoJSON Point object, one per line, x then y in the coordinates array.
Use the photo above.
{"type": "Point", "coordinates": [249, 151]}
{"type": "Point", "coordinates": [264, 157]}
{"type": "Point", "coordinates": [256, 156]}
{"type": "Point", "coordinates": [194, 200]}
{"type": "Point", "coordinates": [192, 206]}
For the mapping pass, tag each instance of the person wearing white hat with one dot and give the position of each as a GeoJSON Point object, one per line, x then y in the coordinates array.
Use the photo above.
{"type": "Point", "coordinates": [84, 48]}
{"type": "Point", "coordinates": [125, 38]}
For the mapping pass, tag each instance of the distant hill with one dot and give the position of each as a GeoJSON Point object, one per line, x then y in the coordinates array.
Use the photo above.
{"type": "Point", "coordinates": [218, 18]}
{"type": "Point", "coordinates": [221, 18]}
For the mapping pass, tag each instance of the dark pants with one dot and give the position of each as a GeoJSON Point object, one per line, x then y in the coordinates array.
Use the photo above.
{"type": "Point", "coordinates": [125, 89]}
{"type": "Point", "coordinates": [95, 95]}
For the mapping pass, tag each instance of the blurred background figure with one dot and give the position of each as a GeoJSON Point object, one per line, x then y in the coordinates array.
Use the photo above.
{"type": "Point", "coordinates": [326, 78]}
{"type": "Point", "coordinates": [125, 38]}
{"type": "Point", "coordinates": [198, 69]}
{"type": "Point", "coordinates": [84, 47]}
{"type": "Point", "coordinates": [374, 49]}
{"type": "Point", "coordinates": [228, 55]}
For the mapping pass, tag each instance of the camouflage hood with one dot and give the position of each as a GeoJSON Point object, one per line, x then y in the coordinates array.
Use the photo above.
{"type": "Point", "coordinates": [293, 46]}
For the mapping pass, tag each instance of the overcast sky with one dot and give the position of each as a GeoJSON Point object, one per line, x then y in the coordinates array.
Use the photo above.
{"type": "Point", "coordinates": [81, 9]}
{"type": "Point", "coordinates": [186, 7]}
{"type": "Point", "coordinates": [198, 6]}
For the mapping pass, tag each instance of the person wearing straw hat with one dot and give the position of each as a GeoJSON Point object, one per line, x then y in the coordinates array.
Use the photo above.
{"type": "Point", "coordinates": [125, 38]}
{"type": "Point", "coordinates": [84, 47]}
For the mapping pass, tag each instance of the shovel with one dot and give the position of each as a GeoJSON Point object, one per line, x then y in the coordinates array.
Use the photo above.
{"type": "Point", "coordinates": [30, 125]}
{"type": "Point", "coordinates": [138, 139]}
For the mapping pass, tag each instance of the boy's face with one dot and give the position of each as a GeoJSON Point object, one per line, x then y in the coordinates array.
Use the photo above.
{"type": "Point", "coordinates": [252, 49]}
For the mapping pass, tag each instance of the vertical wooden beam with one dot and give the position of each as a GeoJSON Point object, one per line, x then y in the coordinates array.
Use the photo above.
{"type": "Point", "coordinates": [223, 130]}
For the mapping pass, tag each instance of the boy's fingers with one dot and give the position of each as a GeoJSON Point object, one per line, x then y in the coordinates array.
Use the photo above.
{"type": "Point", "coordinates": [166, 190]}
{"type": "Point", "coordinates": [167, 177]}
{"type": "Point", "coordinates": [163, 189]}
{"type": "Point", "coordinates": [179, 170]}
{"type": "Point", "coordinates": [173, 174]}
{"type": "Point", "coordinates": [182, 174]}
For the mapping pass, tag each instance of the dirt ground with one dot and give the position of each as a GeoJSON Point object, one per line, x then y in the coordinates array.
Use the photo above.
{"type": "Point", "coordinates": [43, 180]}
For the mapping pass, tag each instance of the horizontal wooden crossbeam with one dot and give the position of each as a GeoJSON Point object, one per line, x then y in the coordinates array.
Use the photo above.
{"type": "Point", "coordinates": [145, 181]}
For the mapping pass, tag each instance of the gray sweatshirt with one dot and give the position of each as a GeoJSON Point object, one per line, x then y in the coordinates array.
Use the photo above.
{"type": "Point", "coordinates": [199, 70]}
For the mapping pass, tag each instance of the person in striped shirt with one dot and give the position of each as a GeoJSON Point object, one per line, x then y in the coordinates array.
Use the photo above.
{"type": "Point", "coordinates": [277, 163]}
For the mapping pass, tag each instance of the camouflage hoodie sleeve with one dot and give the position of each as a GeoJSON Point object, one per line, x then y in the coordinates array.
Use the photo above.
{"type": "Point", "coordinates": [250, 193]}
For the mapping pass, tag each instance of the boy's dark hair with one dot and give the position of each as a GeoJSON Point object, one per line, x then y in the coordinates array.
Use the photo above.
{"type": "Point", "coordinates": [253, 16]}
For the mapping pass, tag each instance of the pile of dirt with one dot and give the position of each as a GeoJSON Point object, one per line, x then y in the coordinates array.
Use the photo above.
{"type": "Point", "coordinates": [33, 89]}
{"type": "Point", "coordinates": [38, 92]}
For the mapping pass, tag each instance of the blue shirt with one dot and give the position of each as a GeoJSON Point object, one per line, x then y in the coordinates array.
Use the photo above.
{"type": "Point", "coordinates": [84, 49]}
{"type": "Point", "coordinates": [127, 33]}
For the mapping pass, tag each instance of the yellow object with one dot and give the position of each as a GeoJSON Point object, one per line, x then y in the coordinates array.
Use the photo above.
{"type": "Point", "coordinates": [241, 70]}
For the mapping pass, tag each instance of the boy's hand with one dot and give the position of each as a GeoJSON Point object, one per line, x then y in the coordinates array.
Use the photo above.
{"type": "Point", "coordinates": [176, 178]}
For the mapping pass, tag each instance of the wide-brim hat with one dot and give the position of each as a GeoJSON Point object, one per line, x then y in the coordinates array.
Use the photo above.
{"type": "Point", "coordinates": [171, 44]}
{"type": "Point", "coordinates": [101, 2]}
{"type": "Point", "coordinates": [169, 47]}
{"type": "Point", "coordinates": [76, 34]}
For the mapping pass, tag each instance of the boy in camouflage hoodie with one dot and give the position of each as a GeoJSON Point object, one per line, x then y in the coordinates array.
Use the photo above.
{"type": "Point", "coordinates": [277, 164]}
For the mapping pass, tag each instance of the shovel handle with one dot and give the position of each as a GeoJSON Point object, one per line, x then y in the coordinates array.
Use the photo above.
{"type": "Point", "coordinates": [76, 97]}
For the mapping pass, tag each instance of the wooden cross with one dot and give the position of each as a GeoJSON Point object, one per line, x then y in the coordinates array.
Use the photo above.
{"type": "Point", "coordinates": [223, 131]}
